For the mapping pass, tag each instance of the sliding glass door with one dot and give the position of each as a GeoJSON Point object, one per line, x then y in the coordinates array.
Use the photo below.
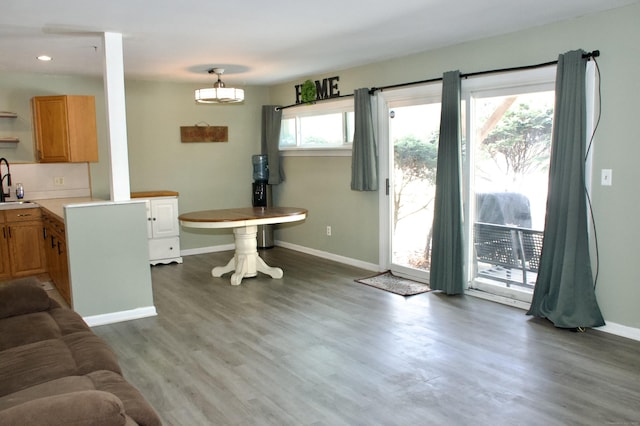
{"type": "Point", "coordinates": [510, 122]}
{"type": "Point", "coordinates": [506, 144]}
{"type": "Point", "coordinates": [412, 125]}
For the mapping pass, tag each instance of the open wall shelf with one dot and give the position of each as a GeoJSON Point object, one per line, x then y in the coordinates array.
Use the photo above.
{"type": "Point", "coordinates": [4, 141]}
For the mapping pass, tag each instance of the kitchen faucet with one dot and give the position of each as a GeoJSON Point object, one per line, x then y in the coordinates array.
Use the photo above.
{"type": "Point", "coordinates": [3, 195]}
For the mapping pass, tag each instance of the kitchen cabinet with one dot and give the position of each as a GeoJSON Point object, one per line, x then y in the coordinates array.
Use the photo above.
{"type": "Point", "coordinates": [163, 229]}
{"type": "Point", "coordinates": [5, 261]}
{"type": "Point", "coordinates": [22, 249]}
{"type": "Point", "coordinates": [55, 246]}
{"type": "Point", "coordinates": [65, 129]}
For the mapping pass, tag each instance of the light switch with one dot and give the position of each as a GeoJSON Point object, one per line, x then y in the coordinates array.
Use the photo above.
{"type": "Point", "coordinates": [605, 177]}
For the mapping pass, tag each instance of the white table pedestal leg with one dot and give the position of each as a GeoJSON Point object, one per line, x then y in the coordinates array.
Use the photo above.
{"type": "Point", "coordinates": [246, 262]}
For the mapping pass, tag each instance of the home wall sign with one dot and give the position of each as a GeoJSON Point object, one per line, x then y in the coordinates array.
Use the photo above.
{"type": "Point", "coordinates": [310, 91]}
{"type": "Point", "coordinates": [204, 133]}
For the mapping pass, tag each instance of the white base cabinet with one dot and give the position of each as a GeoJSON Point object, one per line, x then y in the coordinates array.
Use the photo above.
{"type": "Point", "coordinates": [163, 230]}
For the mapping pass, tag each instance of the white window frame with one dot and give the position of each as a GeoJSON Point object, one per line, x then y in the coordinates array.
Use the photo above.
{"type": "Point", "coordinates": [320, 108]}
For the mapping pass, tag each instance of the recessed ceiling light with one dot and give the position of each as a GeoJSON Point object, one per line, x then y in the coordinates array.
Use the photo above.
{"type": "Point", "coordinates": [44, 58]}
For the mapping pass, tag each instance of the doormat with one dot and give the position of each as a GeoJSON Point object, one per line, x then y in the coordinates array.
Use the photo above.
{"type": "Point", "coordinates": [394, 284]}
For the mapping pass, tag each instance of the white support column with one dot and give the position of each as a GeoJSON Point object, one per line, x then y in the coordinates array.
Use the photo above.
{"type": "Point", "coordinates": [116, 116]}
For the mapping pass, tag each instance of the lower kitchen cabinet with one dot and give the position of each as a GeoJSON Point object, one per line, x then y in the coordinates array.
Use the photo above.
{"type": "Point", "coordinates": [55, 246]}
{"type": "Point", "coordinates": [163, 230]}
{"type": "Point", "coordinates": [22, 249]}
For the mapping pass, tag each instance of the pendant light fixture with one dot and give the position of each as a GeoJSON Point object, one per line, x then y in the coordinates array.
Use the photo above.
{"type": "Point", "coordinates": [219, 93]}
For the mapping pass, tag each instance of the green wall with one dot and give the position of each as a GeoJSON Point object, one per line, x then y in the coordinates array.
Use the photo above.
{"type": "Point", "coordinates": [614, 33]}
{"type": "Point", "coordinates": [207, 175]}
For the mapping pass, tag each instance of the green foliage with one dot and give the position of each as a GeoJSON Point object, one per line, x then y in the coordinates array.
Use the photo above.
{"type": "Point", "coordinates": [417, 159]}
{"type": "Point", "coordinates": [520, 141]}
{"type": "Point", "coordinates": [308, 91]}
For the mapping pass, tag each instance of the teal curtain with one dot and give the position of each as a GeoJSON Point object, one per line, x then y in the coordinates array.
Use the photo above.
{"type": "Point", "coordinates": [364, 158]}
{"type": "Point", "coordinates": [271, 123]}
{"type": "Point", "coordinates": [447, 253]}
{"type": "Point", "coordinates": [564, 291]}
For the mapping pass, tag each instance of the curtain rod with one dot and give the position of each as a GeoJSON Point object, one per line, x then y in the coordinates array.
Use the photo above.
{"type": "Point", "coordinates": [278, 108]}
{"type": "Point", "coordinates": [589, 55]}
{"type": "Point", "coordinates": [593, 54]}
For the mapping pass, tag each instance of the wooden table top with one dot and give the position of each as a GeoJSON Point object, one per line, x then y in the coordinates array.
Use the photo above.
{"type": "Point", "coordinates": [244, 216]}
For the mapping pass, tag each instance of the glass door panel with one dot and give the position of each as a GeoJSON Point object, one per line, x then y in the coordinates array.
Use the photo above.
{"type": "Point", "coordinates": [511, 151]}
{"type": "Point", "coordinates": [413, 136]}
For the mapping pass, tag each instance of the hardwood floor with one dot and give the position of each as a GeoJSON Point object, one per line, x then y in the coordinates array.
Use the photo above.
{"type": "Point", "coordinates": [317, 348]}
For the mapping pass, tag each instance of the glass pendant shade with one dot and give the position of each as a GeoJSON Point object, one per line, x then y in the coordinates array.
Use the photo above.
{"type": "Point", "coordinates": [219, 94]}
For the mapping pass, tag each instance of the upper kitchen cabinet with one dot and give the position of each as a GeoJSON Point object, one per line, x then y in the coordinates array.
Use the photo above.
{"type": "Point", "coordinates": [65, 129]}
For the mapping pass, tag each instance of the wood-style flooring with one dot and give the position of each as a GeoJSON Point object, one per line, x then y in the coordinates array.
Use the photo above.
{"type": "Point", "coordinates": [317, 348]}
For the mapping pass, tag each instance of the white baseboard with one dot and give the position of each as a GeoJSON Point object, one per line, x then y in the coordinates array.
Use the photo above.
{"type": "Point", "coordinates": [330, 256]}
{"type": "Point", "coordinates": [620, 330]}
{"type": "Point", "coordinates": [113, 317]}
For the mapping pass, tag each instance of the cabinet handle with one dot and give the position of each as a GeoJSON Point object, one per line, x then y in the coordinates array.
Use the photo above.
{"type": "Point", "coordinates": [52, 244]}
{"type": "Point", "coordinates": [23, 214]}
{"type": "Point", "coordinates": [9, 229]}
{"type": "Point", "coordinates": [44, 233]}
{"type": "Point", "coordinates": [59, 252]}
{"type": "Point", "coordinates": [4, 232]}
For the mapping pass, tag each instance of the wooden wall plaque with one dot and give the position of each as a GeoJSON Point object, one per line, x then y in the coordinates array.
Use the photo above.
{"type": "Point", "coordinates": [204, 133]}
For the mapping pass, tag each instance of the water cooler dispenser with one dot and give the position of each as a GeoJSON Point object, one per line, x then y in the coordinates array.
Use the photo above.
{"type": "Point", "coordinates": [262, 197]}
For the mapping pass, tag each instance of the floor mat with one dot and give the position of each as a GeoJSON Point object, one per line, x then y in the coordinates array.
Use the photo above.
{"type": "Point", "coordinates": [394, 284]}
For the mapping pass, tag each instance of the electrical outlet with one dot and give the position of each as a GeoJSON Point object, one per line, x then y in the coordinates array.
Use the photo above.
{"type": "Point", "coordinates": [58, 180]}
{"type": "Point", "coordinates": [328, 230]}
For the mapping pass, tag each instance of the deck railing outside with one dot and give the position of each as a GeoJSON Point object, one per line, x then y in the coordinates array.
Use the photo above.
{"type": "Point", "coordinates": [507, 249]}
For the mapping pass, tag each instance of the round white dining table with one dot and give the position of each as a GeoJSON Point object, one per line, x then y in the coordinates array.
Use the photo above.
{"type": "Point", "coordinates": [244, 221]}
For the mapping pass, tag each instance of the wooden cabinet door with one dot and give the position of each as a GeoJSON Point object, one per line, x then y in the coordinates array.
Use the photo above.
{"type": "Point", "coordinates": [26, 248]}
{"type": "Point", "coordinates": [65, 128]}
{"type": "Point", "coordinates": [51, 129]}
{"type": "Point", "coordinates": [5, 262]}
{"type": "Point", "coordinates": [63, 285]}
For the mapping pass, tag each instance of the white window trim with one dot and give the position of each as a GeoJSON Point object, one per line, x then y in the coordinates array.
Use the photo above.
{"type": "Point", "coordinates": [325, 107]}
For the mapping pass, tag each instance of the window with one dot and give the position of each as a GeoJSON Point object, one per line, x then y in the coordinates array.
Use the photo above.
{"type": "Point", "coordinates": [324, 126]}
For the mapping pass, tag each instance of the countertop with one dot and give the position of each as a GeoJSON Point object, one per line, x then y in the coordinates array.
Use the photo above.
{"type": "Point", "coordinates": [151, 194]}
{"type": "Point", "coordinates": [56, 205]}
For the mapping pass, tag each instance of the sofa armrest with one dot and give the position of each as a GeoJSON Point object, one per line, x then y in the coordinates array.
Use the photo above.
{"type": "Point", "coordinates": [19, 298]}
{"type": "Point", "coordinates": [86, 408]}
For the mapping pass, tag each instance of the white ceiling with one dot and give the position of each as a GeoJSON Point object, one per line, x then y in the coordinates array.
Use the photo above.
{"type": "Point", "coordinates": [257, 42]}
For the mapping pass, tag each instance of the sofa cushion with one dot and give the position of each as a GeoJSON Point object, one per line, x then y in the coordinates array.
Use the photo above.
{"type": "Point", "coordinates": [133, 402]}
{"type": "Point", "coordinates": [71, 355]}
{"type": "Point", "coordinates": [91, 353]}
{"type": "Point", "coordinates": [59, 386]}
{"type": "Point", "coordinates": [22, 297]}
{"type": "Point", "coordinates": [34, 327]}
{"type": "Point", "coordinates": [83, 408]}
{"type": "Point", "coordinates": [68, 321]}
{"type": "Point", "coordinates": [28, 328]}
{"type": "Point", "coordinates": [35, 363]}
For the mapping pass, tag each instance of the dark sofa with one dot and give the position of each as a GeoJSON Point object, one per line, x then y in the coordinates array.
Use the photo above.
{"type": "Point", "coordinates": [55, 371]}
